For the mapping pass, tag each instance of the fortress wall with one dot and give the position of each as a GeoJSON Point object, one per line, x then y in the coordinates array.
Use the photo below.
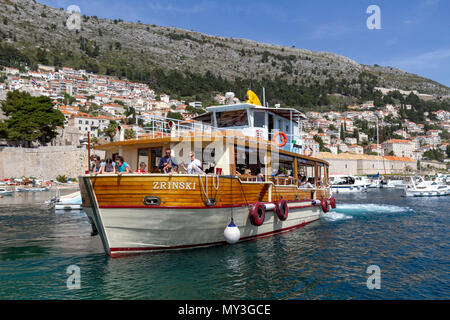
{"type": "Point", "coordinates": [44, 162]}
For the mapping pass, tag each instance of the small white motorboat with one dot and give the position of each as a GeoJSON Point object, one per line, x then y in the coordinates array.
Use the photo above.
{"type": "Point", "coordinates": [419, 187]}
{"type": "Point", "coordinates": [32, 189]}
{"type": "Point", "coordinates": [348, 184]}
{"type": "Point", "coordinates": [68, 202]}
{"type": "Point", "coordinates": [4, 192]}
{"type": "Point", "coordinates": [397, 184]}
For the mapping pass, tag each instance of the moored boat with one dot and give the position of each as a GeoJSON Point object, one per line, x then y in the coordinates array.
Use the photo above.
{"type": "Point", "coordinates": [71, 201]}
{"type": "Point", "coordinates": [341, 183]}
{"type": "Point", "coordinates": [420, 187]}
{"type": "Point", "coordinates": [5, 192]}
{"type": "Point", "coordinates": [154, 211]}
{"type": "Point", "coordinates": [32, 189]}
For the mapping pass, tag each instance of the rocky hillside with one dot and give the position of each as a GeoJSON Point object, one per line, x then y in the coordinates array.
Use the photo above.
{"type": "Point", "coordinates": [133, 49]}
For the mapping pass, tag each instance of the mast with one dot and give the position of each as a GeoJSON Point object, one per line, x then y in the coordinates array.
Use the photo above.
{"type": "Point", "coordinates": [89, 151]}
{"type": "Point", "coordinates": [264, 97]}
{"type": "Point", "coordinates": [378, 147]}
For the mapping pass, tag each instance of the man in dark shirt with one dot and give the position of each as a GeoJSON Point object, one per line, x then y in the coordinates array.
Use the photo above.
{"type": "Point", "coordinates": [167, 163]}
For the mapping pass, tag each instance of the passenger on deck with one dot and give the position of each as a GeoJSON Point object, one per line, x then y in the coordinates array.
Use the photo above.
{"type": "Point", "coordinates": [122, 166]}
{"type": "Point", "coordinates": [108, 167]}
{"type": "Point", "coordinates": [95, 166]}
{"type": "Point", "coordinates": [194, 165]}
{"type": "Point", "coordinates": [168, 164]}
{"type": "Point", "coordinates": [260, 177]}
{"type": "Point", "coordinates": [142, 167]}
{"type": "Point", "coordinates": [310, 183]}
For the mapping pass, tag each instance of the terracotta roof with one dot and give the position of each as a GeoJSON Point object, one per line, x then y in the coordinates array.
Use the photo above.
{"type": "Point", "coordinates": [352, 156]}
{"type": "Point", "coordinates": [397, 141]}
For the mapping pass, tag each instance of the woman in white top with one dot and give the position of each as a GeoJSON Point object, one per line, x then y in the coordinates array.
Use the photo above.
{"type": "Point", "coordinates": [194, 165]}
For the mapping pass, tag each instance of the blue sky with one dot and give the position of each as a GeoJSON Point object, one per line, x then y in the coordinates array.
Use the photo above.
{"type": "Point", "coordinates": [414, 34]}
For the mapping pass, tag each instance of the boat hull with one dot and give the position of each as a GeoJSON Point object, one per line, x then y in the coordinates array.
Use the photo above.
{"type": "Point", "coordinates": [418, 193]}
{"type": "Point", "coordinates": [134, 230]}
{"type": "Point", "coordinates": [348, 189]}
{"type": "Point", "coordinates": [184, 219]}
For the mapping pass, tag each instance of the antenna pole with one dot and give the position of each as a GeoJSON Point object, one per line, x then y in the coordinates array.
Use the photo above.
{"type": "Point", "coordinates": [89, 151]}
{"type": "Point", "coordinates": [264, 97]}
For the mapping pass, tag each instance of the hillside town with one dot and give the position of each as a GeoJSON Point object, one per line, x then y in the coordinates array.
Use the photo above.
{"type": "Point", "coordinates": [90, 102]}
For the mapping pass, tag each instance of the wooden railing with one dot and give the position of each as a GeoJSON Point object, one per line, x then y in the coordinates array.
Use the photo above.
{"type": "Point", "coordinates": [284, 181]}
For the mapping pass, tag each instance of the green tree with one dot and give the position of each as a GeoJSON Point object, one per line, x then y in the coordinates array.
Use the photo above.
{"type": "Point", "coordinates": [322, 147]}
{"type": "Point", "coordinates": [130, 134]}
{"type": "Point", "coordinates": [30, 118]}
{"type": "Point", "coordinates": [111, 130]}
{"type": "Point", "coordinates": [434, 154]}
{"type": "Point", "coordinates": [174, 115]}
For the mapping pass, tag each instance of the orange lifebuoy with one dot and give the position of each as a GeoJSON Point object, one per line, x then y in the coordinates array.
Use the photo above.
{"type": "Point", "coordinates": [283, 138]}
{"type": "Point", "coordinates": [311, 153]}
{"type": "Point", "coordinates": [257, 213]}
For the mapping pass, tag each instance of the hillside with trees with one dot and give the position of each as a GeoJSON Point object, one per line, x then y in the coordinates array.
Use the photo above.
{"type": "Point", "coordinates": [194, 66]}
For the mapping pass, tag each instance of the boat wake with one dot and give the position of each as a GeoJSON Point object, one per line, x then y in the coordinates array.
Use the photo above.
{"type": "Point", "coordinates": [348, 211]}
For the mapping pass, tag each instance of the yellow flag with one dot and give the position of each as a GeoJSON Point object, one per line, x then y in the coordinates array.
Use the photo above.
{"type": "Point", "coordinates": [253, 98]}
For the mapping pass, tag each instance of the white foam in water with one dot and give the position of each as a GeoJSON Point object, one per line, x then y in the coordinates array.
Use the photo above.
{"type": "Point", "coordinates": [370, 207]}
{"type": "Point", "coordinates": [345, 211]}
{"type": "Point", "coordinates": [335, 216]}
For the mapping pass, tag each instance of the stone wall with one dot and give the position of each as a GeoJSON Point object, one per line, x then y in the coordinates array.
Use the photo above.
{"type": "Point", "coordinates": [44, 162]}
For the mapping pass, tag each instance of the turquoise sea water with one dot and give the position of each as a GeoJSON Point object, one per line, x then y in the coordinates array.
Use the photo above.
{"type": "Point", "coordinates": [408, 238]}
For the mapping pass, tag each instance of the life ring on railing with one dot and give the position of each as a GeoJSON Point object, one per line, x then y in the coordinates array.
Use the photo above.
{"type": "Point", "coordinates": [257, 213]}
{"type": "Point", "coordinates": [283, 138]}
{"type": "Point", "coordinates": [325, 206]}
{"type": "Point", "coordinates": [281, 207]}
{"type": "Point", "coordinates": [310, 153]}
{"type": "Point", "coordinates": [333, 203]}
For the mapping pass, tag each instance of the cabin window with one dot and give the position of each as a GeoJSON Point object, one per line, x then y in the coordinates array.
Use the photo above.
{"type": "Point", "coordinates": [259, 119]}
{"type": "Point", "coordinates": [248, 158]}
{"type": "Point", "coordinates": [320, 172]}
{"type": "Point", "coordinates": [232, 119]}
{"type": "Point", "coordinates": [306, 169]}
{"type": "Point", "coordinates": [285, 173]}
{"type": "Point", "coordinates": [142, 157]}
{"type": "Point", "coordinates": [155, 157]}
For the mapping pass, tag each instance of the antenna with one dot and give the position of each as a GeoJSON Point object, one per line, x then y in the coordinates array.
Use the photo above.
{"type": "Point", "coordinates": [264, 97]}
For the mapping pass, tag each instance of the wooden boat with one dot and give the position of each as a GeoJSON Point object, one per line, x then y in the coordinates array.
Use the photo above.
{"type": "Point", "coordinates": [150, 212]}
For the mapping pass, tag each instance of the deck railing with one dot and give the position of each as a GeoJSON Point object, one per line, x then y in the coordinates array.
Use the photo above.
{"type": "Point", "coordinates": [158, 126]}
